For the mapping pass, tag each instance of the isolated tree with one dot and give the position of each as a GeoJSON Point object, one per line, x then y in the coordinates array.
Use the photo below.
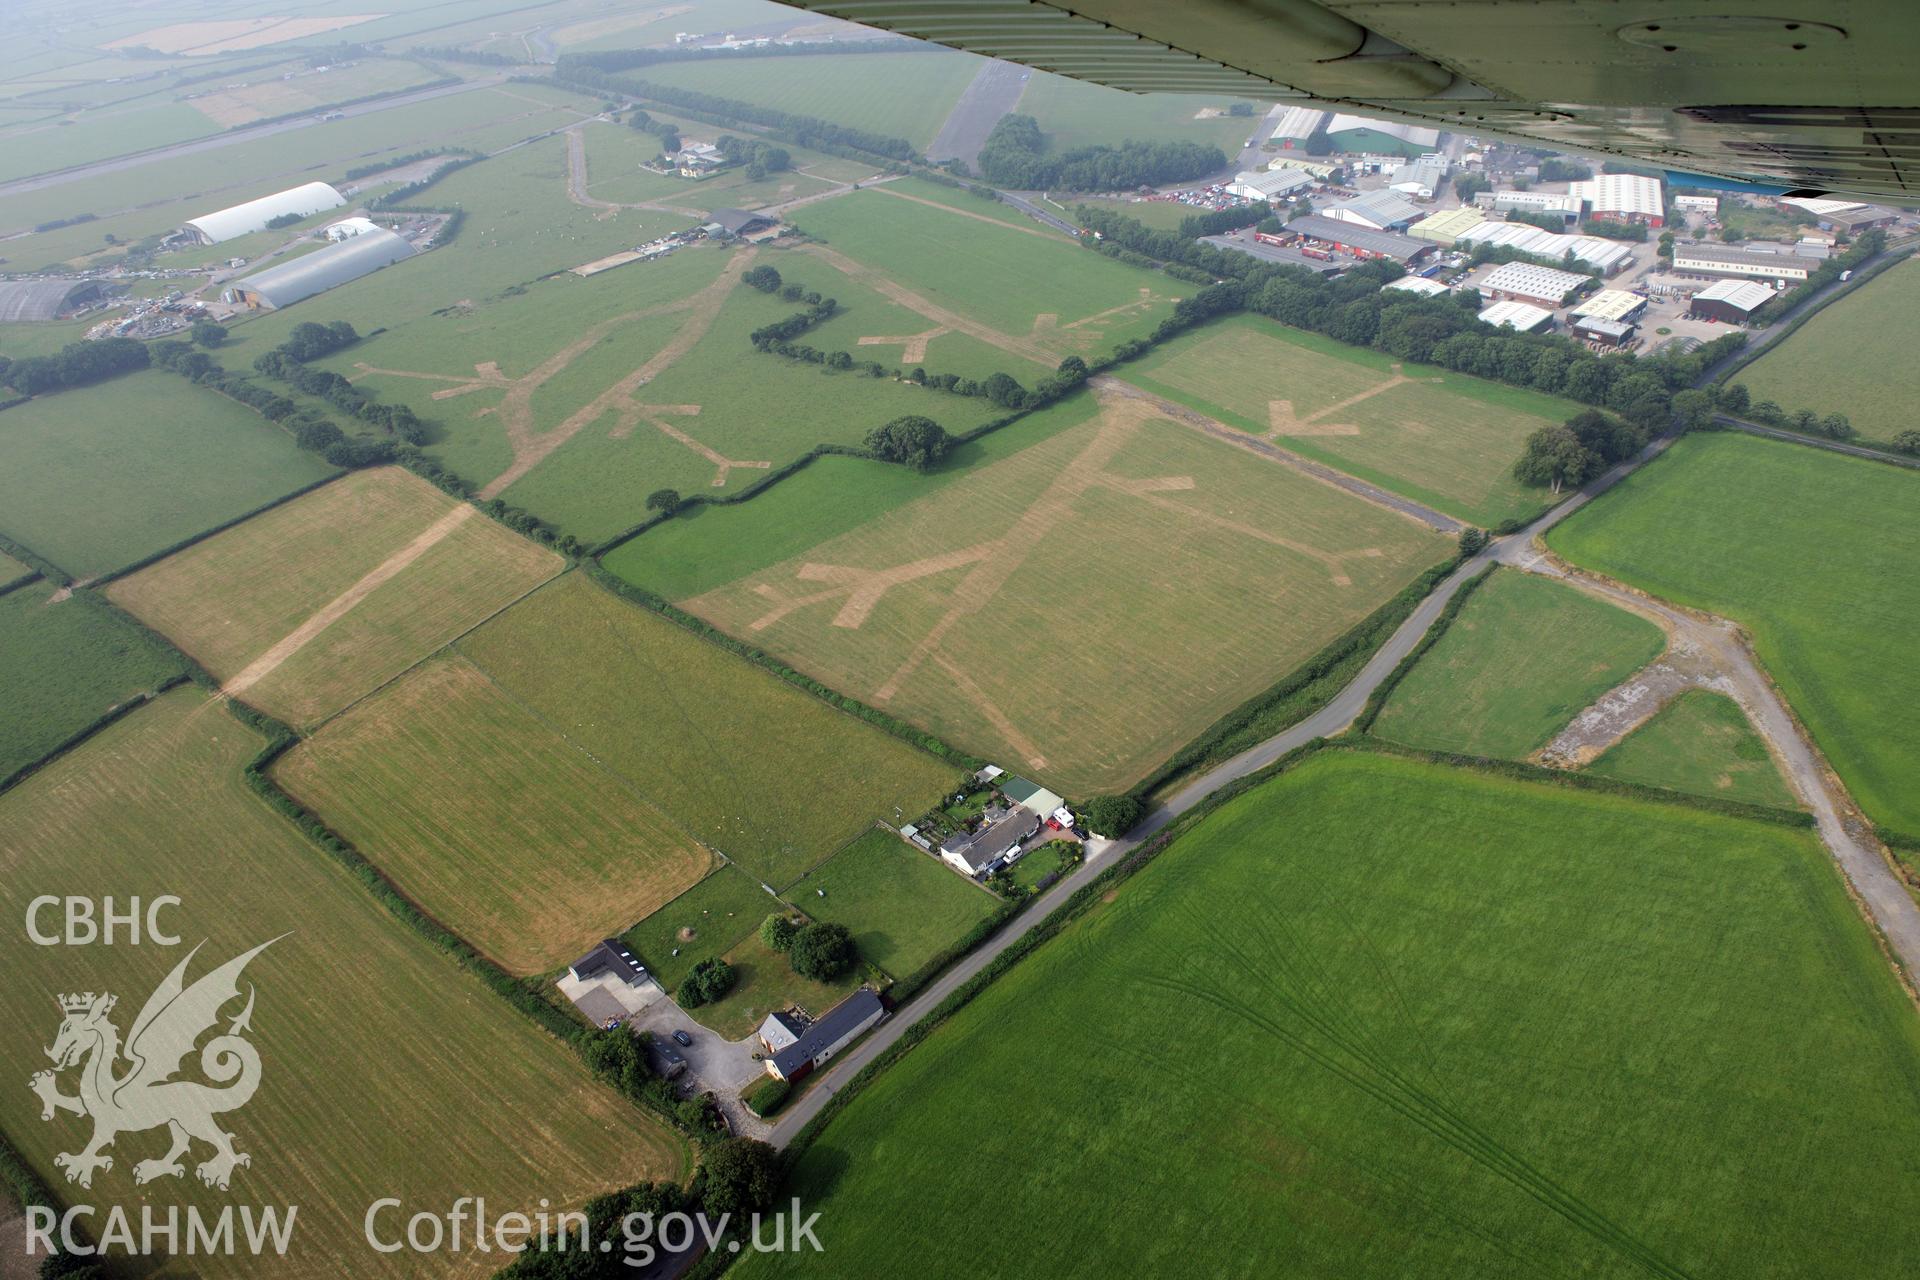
{"type": "Point", "coordinates": [664, 500]}
{"type": "Point", "coordinates": [1554, 457]}
{"type": "Point", "coordinates": [914, 441]}
{"type": "Point", "coordinates": [1472, 541]}
{"type": "Point", "coordinates": [763, 278]}
{"type": "Point", "coordinates": [777, 932]}
{"type": "Point", "coordinates": [208, 334]}
{"type": "Point", "coordinates": [738, 1176]}
{"type": "Point", "coordinates": [706, 982]}
{"type": "Point", "coordinates": [1112, 816]}
{"type": "Point", "coordinates": [822, 952]}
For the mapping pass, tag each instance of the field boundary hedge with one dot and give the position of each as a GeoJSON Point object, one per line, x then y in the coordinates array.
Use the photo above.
{"type": "Point", "coordinates": [1366, 636]}
{"type": "Point", "coordinates": [1846, 448]}
{"type": "Point", "coordinates": [807, 684]}
{"type": "Point", "coordinates": [114, 575]}
{"type": "Point", "coordinates": [36, 562]}
{"type": "Point", "coordinates": [1377, 700]}
{"type": "Point", "coordinates": [133, 703]}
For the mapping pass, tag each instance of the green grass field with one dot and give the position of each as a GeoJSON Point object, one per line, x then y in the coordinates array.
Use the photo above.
{"type": "Point", "coordinates": [321, 600]}
{"type": "Point", "coordinates": [550, 852]}
{"type": "Point", "coordinates": [387, 1069]}
{"type": "Point", "coordinates": [901, 95]}
{"type": "Point", "coordinates": [1035, 286]}
{"type": "Point", "coordinates": [707, 920]}
{"type": "Point", "coordinates": [1524, 655]}
{"type": "Point", "coordinates": [64, 665]}
{"type": "Point", "coordinates": [745, 763]}
{"type": "Point", "coordinates": [709, 546]}
{"type": "Point", "coordinates": [1445, 439]}
{"type": "Point", "coordinates": [1804, 549]}
{"type": "Point", "coordinates": [1074, 113]}
{"type": "Point", "coordinates": [1819, 366]}
{"type": "Point", "coordinates": [1340, 1030]}
{"type": "Point", "coordinates": [763, 981]}
{"type": "Point", "coordinates": [96, 478]}
{"type": "Point", "coordinates": [1700, 742]}
{"type": "Point", "coordinates": [1082, 608]}
{"type": "Point", "coordinates": [903, 907]}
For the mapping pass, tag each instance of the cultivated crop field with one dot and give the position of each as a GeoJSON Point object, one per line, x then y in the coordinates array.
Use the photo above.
{"type": "Point", "coordinates": [1620, 1039]}
{"type": "Point", "coordinates": [387, 1070]}
{"type": "Point", "coordinates": [1026, 290]}
{"type": "Point", "coordinates": [1084, 607]}
{"type": "Point", "coordinates": [99, 477]}
{"type": "Point", "coordinates": [500, 828]}
{"type": "Point", "coordinates": [746, 764]}
{"type": "Point", "coordinates": [1819, 366]}
{"type": "Point", "coordinates": [709, 546]}
{"type": "Point", "coordinates": [310, 605]}
{"type": "Point", "coordinates": [1523, 657]}
{"type": "Point", "coordinates": [63, 665]}
{"type": "Point", "coordinates": [1811, 552]}
{"type": "Point", "coordinates": [1442, 438]}
{"type": "Point", "coordinates": [1700, 742]}
{"type": "Point", "coordinates": [903, 95]}
{"type": "Point", "coordinates": [903, 907]}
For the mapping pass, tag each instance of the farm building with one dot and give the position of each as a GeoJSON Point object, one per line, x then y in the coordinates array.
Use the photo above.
{"type": "Point", "coordinates": [697, 159]}
{"type": "Point", "coordinates": [1730, 301]}
{"type": "Point", "coordinates": [1358, 241]}
{"type": "Point", "coordinates": [254, 215]}
{"type": "Point", "coordinates": [1381, 210]}
{"type": "Point", "coordinates": [1520, 316]}
{"type": "Point", "coordinates": [45, 299]}
{"type": "Point", "coordinates": [983, 852]}
{"type": "Point", "coordinates": [1596, 253]}
{"type": "Point", "coordinates": [1385, 137]}
{"type": "Point", "coordinates": [738, 222]}
{"type": "Point", "coordinates": [319, 271]}
{"type": "Point", "coordinates": [1445, 228]}
{"type": "Point", "coordinates": [1697, 204]}
{"type": "Point", "coordinates": [795, 1047]}
{"type": "Point", "coordinates": [1296, 126]}
{"type": "Point", "coordinates": [609, 957]}
{"type": "Point", "coordinates": [1523, 282]}
{"type": "Point", "coordinates": [1275, 184]}
{"type": "Point", "coordinates": [1612, 333]}
{"type": "Point", "coordinates": [1626, 197]}
{"type": "Point", "coordinates": [1419, 284]}
{"type": "Point", "coordinates": [348, 228]}
{"type": "Point", "coordinates": [1030, 795]}
{"type": "Point", "coordinates": [1718, 260]}
{"type": "Point", "coordinates": [1611, 304]}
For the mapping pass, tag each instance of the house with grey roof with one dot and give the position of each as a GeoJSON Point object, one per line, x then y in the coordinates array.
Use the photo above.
{"type": "Point", "coordinates": [813, 1043]}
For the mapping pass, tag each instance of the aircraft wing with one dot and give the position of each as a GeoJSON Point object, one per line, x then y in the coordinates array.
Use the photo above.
{"type": "Point", "coordinates": [1813, 97]}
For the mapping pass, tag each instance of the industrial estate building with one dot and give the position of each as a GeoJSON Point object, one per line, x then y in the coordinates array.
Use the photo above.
{"type": "Point", "coordinates": [1611, 304]}
{"type": "Point", "coordinates": [1383, 210]}
{"type": "Point", "coordinates": [1626, 197]}
{"type": "Point", "coordinates": [254, 215]}
{"type": "Point", "coordinates": [1847, 217]}
{"type": "Point", "coordinates": [1612, 333]}
{"type": "Point", "coordinates": [1297, 125]}
{"type": "Point", "coordinates": [323, 269]}
{"type": "Point", "coordinates": [1446, 227]}
{"type": "Point", "coordinates": [1528, 201]}
{"type": "Point", "coordinates": [1718, 260]}
{"type": "Point", "coordinates": [1525, 282]}
{"type": "Point", "coordinates": [1697, 204]}
{"type": "Point", "coordinates": [1275, 184]}
{"type": "Point", "coordinates": [1730, 301]}
{"type": "Point", "coordinates": [1596, 253]}
{"type": "Point", "coordinates": [1522, 316]}
{"type": "Point", "coordinates": [1357, 241]}
{"type": "Point", "coordinates": [1420, 285]}
{"type": "Point", "coordinates": [1357, 134]}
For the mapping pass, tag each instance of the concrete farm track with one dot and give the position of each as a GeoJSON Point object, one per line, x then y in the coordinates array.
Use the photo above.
{"type": "Point", "coordinates": [1869, 879]}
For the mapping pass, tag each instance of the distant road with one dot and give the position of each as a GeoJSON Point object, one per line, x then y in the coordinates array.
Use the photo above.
{"type": "Point", "coordinates": [1834, 446]}
{"type": "Point", "coordinates": [1033, 209]}
{"type": "Point", "coordinates": [41, 182]}
{"type": "Point", "coordinates": [995, 88]}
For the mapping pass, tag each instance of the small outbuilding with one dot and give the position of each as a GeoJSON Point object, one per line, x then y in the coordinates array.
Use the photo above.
{"type": "Point", "coordinates": [813, 1043]}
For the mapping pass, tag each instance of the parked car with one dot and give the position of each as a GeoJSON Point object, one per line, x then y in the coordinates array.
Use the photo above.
{"type": "Point", "coordinates": [683, 1039]}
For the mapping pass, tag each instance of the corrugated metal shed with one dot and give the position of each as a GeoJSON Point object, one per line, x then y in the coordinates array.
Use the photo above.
{"type": "Point", "coordinates": [324, 269]}
{"type": "Point", "coordinates": [1516, 315]}
{"type": "Point", "coordinates": [244, 219]}
{"type": "Point", "coordinates": [1610, 304]}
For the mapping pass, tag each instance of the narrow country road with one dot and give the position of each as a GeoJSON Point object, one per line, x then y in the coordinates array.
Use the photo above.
{"type": "Point", "coordinates": [1831, 446]}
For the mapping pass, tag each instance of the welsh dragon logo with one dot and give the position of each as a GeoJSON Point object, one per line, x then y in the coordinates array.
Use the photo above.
{"type": "Point", "coordinates": [130, 1088]}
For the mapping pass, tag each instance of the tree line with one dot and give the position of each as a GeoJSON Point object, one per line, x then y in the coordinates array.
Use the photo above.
{"type": "Point", "coordinates": [76, 365]}
{"type": "Point", "coordinates": [1015, 155]}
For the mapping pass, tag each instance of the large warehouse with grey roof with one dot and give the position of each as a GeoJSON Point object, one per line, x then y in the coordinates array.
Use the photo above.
{"type": "Point", "coordinates": [317, 272]}
{"type": "Point", "coordinates": [254, 215]}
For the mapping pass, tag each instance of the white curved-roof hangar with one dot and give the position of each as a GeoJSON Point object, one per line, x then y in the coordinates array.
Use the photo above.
{"type": "Point", "coordinates": [244, 219]}
{"type": "Point", "coordinates": [323, 269]}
